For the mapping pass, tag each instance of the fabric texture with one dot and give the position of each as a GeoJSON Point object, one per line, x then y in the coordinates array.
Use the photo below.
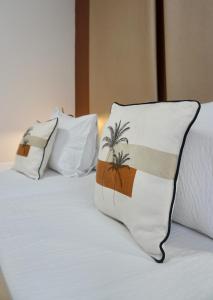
{"type": "Point", "coordinates": [137, 168]}
{"type": "Point", "coordinates": [75, 148]}
{"type": "Point", "coordinates": [55, 245]}
{"type": "Point", "coordinates": [194, 198]}
{"type": "Point", "coordinates": [35, 148]}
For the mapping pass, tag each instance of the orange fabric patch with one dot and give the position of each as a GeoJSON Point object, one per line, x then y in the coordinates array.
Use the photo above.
{"type": "Point", "coordinates": [23, 150]}
{"type": "Point", "coordinates": [118, 178]}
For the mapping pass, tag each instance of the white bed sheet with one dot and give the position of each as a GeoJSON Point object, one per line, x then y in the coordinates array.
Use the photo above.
{"type": "Point", "coordinates": [54, 244]}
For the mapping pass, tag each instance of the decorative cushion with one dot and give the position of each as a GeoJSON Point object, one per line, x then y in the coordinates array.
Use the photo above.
{"type": "Point", "coordinates": [138, 165]}
{"type": "Point", "coordinates": [194, 198]}
{"type": "Point", "coordinates": [75, 148]}
{"type": "Point", "coordinates": [35, 148]}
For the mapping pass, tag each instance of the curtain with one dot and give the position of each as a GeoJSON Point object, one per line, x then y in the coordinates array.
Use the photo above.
{"type": "Point", "coordinates": [145, 50]}
{"type": "Point", "coordinates": [189, 49]}
{"type": "Point", "coordinates": [122, 53]}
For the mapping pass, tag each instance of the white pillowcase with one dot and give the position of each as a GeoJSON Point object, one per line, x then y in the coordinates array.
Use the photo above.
{"type": "Point", "coordinates": [35, 148]}
{"type": "Point", "coordinates": [138, 165]}
{"type": "Point", "coordinates": [75, 148]}
{"type": "Point", "coordinates": [194, 198]}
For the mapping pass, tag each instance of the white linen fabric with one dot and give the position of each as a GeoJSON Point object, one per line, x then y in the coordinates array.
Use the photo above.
{"type": "Point", "coordinates": [35, 148]}
{"type": "Point", "coordinates": [54, 244]}
{"type": "Point", "coordinates": [75, 148]}
{"type": "Point", "coordinates": [194, 198]}
{"type": "Point", "coordinates": [137, 168]}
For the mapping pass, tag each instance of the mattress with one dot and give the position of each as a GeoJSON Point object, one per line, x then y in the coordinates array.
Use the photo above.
{"type": "Point", "coordinates": [54, 244]}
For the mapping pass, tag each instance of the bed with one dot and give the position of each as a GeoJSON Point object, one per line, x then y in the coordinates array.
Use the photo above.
{"type": "Point", "coordinates": [54, 244]}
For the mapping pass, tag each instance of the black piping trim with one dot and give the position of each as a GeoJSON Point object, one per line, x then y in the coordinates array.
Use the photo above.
{"type": "Point", "coordinates": [39, 169]}
{"type": "Point", "coordinates": [177, 169]}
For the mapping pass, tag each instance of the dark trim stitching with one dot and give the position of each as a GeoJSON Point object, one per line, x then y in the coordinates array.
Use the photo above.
{"type": "Point", "coordinates": [39, 169]}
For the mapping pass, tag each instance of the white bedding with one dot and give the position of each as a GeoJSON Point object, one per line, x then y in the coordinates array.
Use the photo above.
{"type": "Point", "coordinates": [54, 245]}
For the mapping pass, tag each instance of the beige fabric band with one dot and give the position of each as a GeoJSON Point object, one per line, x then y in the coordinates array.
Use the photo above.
{"type": "Point", "coordinates": [152, 161]}
{"type": "Point", "coordinates": [35, 141]}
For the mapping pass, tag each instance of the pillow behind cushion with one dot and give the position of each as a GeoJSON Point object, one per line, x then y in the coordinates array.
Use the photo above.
{"type": "Point", "coordinates": [75, 149]}
{"type": "Point", "coordinates": [138, 165]}
{"type": "Point", "coordinates": [34, 150]}
{"type": "Point", "coordinates": [194, 198]}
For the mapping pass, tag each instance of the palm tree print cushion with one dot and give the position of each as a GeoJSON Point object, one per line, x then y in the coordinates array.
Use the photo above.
{"type": "Point", "coordinates": [138, 164]}
{"type": "Point", "coordinates": [35, 148]}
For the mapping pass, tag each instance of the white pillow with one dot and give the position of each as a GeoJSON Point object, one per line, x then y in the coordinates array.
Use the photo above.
{"type": "Point", "coordinates": [194, 198]}
{"type": "Point", "coordinates": [138, 165]}
{"type": "Point", "coordinates": [75, 149]}
{"type": "Point", "coordinates": [35, 148]}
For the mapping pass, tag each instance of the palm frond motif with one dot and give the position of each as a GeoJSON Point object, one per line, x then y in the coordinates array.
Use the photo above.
{"type": "Point", "coordinates": [122, 140]}
{"type": "Point", "coordinates": [26, 134]}
{"type": "Point", "coordinates": [120, 158]}
{"type": "Point", "coordinates": [124, 128]}
{"type": "Point", "coordinates": [115, 136]}
{"type": "Point", "coordinates": [119, 161]}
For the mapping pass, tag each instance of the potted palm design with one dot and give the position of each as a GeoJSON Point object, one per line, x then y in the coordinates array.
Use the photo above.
{"type": "Point", "coordinates": [114, 167]}
{"type": "Point", "coordinates": [24, 147]}
{"type": "Point", "coordinates": [118, 164]}
{"type": "Point", "coordinates": [119, 161]}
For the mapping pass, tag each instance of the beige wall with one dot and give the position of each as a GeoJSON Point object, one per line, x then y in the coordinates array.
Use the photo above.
{"type": "Point", "coordinates": [122, 53]}
{"type": "Point", "coordinates": [189, 49]}
{"type": "Point", "coordinates": [36, 65]}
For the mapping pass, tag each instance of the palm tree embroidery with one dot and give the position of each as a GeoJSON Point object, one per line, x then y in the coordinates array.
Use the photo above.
{"type": "Point", "coordinates": [25, 142]}
{"type": "Point", "coordinates": [119, 159]}
{"type": "Point", "coordinates": [119, 162]}
{"type": "Point", "coordinates": [115, 136]}
{"type": "Point", "coordinates": [26, 135]}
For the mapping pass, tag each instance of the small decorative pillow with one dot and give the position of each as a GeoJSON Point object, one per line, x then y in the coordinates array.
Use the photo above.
{"type": "Point", "coordinates": [35, 148]}
{"type": "Point", "coordinates": [138, 165]}
{"type": "Point", "coordinates": [75, 148]}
